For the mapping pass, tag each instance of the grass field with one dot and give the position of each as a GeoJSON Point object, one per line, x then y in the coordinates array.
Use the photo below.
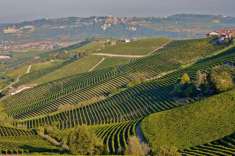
{"type": "Point", "coordinates": [45, 65]}
{"type": "Point", "coordinates": [111, 62]}
{"type": "Point", "coordinates": [76, 67]}
{"type": "Point", "coordinates": [188, 51]}
{"type": "Point", "coordinates": [17, 72]}
{"type": "Point", "coordinates": [195, 124]}
{"type": "Point", "coordinates": [138, 47]}
{"type": "Point", "coordinates": [25, 144]}
{"type": "Point", "coordinates": [90, 97]}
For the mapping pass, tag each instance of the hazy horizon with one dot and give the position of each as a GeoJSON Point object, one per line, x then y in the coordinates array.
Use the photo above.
{"type": "Point", "coordinates": [15, 11]}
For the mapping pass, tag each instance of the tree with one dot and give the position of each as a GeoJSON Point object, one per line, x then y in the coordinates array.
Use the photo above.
{"type": "Point", "coordinates": [221, 79]}
{"type": "Point", "coordinates": [201, 79]}
{"type": "Point", "coordinates": [138, 79]}
{"type": "Point", "coordinates": [168, 151]}
{"type": "Point", "coordinates": [185, 79]}
{"type": "Point", "coordinates": [184, 87]}
{"type": "Point", "coordinates": [83, 141]}
{"type": "Point", "coordinates": [5, 120]}
{"type": "Point", "coordinates": [136, 148]}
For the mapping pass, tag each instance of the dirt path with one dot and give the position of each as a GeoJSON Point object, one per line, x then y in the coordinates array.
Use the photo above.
{"type": "Point", "coordinates": [159, 48]}
{"type": "Point", "coordinates": [53, 141]}
{"type": "Point", "coordinates": [118, 55]}
{"type": "Point", "coordinates": [28, 69]}
{"type": "Point", "coordinates": [102, 60]}
{"type": "Point", "coordinates": [11, 84]}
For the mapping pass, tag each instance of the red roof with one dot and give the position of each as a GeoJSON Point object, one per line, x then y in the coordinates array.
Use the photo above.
{"type": "Point", "coordinates": [225, 31]}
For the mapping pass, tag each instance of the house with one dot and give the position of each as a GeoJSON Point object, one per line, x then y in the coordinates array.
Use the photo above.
{"type": "Point", "coordinates": [126, 40]}
{"type": "Point", "coordinates": [2, 57]}
{"type": "Point", "coordinates": [223, 35]}
{"type": "Point", "coordinates": [213, 34]}
{"type": "Point", "coordinates": [10, 30]}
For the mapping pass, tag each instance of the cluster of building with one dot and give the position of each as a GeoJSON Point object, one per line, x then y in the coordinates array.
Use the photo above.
{"type": "Point", "coordinates": [15, 30]}
{"type": "Point", "coordinates": [37, 45]}
{"type": "Point", "coordinates": [110, 21]}
{"type": "Point", "coordinates": [223, 35]}
{"type": "Point", "coordinates": [5, 57]}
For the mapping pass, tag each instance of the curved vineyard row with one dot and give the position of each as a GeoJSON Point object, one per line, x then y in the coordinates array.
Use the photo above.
{"type": "Point", "coordinates": [48, 97]}
{"type": "Point", "coordinates": [222, 147]}
{"type": "Point", "coordinates": [15, 105]}
{"type": "Point", "coordinates": [25, 144]}
{"type": "Point", "coordinates": [130, 104]}
{"type": "Point", "coordinates": [8, 131]}
{"type": "Point", "coordinates": [115, 136]}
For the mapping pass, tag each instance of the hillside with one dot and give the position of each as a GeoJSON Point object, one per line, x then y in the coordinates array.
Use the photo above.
{"type": "Point", "coordinates": [79, 28]}
{"type": "Point", "coordinates": [72, 86]}
{"type": "Point", "coordinates": [138, 47]}
{"type": "Point", "coordinates": [87, 61]}
{"type": "Point", "coordinates": [192, 125]}
{"type": "Point", "coordinates": [113, 96]}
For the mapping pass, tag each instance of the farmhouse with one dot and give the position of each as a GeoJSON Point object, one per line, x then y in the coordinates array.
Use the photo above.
{"type": "Point", "coordinates": [2, 57]}
{"type": "Point", "coordinates": [223, 34]}
{"type": "Point", "coordinates": [10, 30]}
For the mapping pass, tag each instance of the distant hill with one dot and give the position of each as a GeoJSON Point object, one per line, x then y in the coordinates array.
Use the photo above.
{"type": "Point", "coordinates": [73, 28]}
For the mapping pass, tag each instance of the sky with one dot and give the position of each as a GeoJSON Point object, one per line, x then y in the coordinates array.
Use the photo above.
{"type": "Point", "coordinates": [20, 10]}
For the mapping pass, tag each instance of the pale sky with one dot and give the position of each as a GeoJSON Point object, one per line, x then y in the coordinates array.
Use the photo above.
{"type": "Point", "coordinates": [19, 10]}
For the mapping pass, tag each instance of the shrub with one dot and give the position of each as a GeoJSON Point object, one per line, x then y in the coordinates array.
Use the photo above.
{"type": "Point", "coordinates": [66, 107]}
{"type": "Point", "coordinates": [5, 120]}
{"type": "Point", "coordinates": [83, 141]}
{"type": "Point", "coordinates": [136, 148]}
{"type": "Point", "coordinates": [168, 151]}
{"type": "Point", "coordinates": [138, 79]}
{"type": "Point", "coordinates": [221, 79]}
{"type": "Point", "coordinates": [185, 88]}
{"type": "Point", "coordinates": [201, 79]}
{"type": "Point", "coordinates": [185, 79]}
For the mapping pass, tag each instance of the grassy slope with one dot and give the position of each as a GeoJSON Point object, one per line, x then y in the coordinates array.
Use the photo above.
{"type": "Point", "coordinates": [111, 62]}
{"type": "Point", "coordinates": [26, 143]}
{"type": "Point", "coordinates": [90, 48]}
{"type": "Point", "coordinates": [156, 62]}
{"type": "Point", "coordinates": [44, 65]}
{"type": "Point", "coordinates": [188, 51]}
{"type": "Point", "coordinates": [201, 47]}
{"type": "Point", "coordinates": [76, 67]}
{"type": "Point", "coordinates": [192, 125]}
{"type": "Point", "coordinates": [17, 72]}
{"type": "Point", "coordinates": [139, 47]}
{"type": "Point", "coordinates": [21, 70]}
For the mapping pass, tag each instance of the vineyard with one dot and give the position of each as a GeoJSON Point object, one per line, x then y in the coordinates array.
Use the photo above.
{"type": "Point", "coordinates": [19, 141]}
{"type": "Point", "coordinates": [192, 125]}
{"type": "Point", "coordinates": [122, 99]}
{"type": "Point", "coordinates": [224, 146]}
{"type": "Point", "coordinates": [92, 84]}
{"type": "Point", "coordinates": [115, 136]}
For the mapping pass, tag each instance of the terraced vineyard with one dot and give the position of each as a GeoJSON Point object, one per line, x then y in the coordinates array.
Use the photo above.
{"type": "Point", "coordinates": [8, 131]}
{"type": "Point", "coordinates": [114, 115]}
{"type": "Point", "coordinates": [115, 136]}
{"type": "Point", "coordinates": [13, 141]}
{"type": "Point", "coordinates": [133, 103]}
{"type": "Point", "coordinates": [150, 66]}
{"type": "Point", "coordinates": [223, 147]}
{"type": "Point", "coordinates": [25, 145]}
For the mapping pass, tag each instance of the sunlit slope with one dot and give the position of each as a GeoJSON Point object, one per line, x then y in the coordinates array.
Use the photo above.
{"type": "Point", "coordinates": [73, 90]}
{"type": "Point", "coordinates": [15, 141]}
{"type": "Point", "coordinates": [192, 125]}
{"type": "Point", "coordinates": [131, 104]}
{"type": "Point", "coordinates": [223, 146]}
{"type": "Point", "coordinates": [138, 47]}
